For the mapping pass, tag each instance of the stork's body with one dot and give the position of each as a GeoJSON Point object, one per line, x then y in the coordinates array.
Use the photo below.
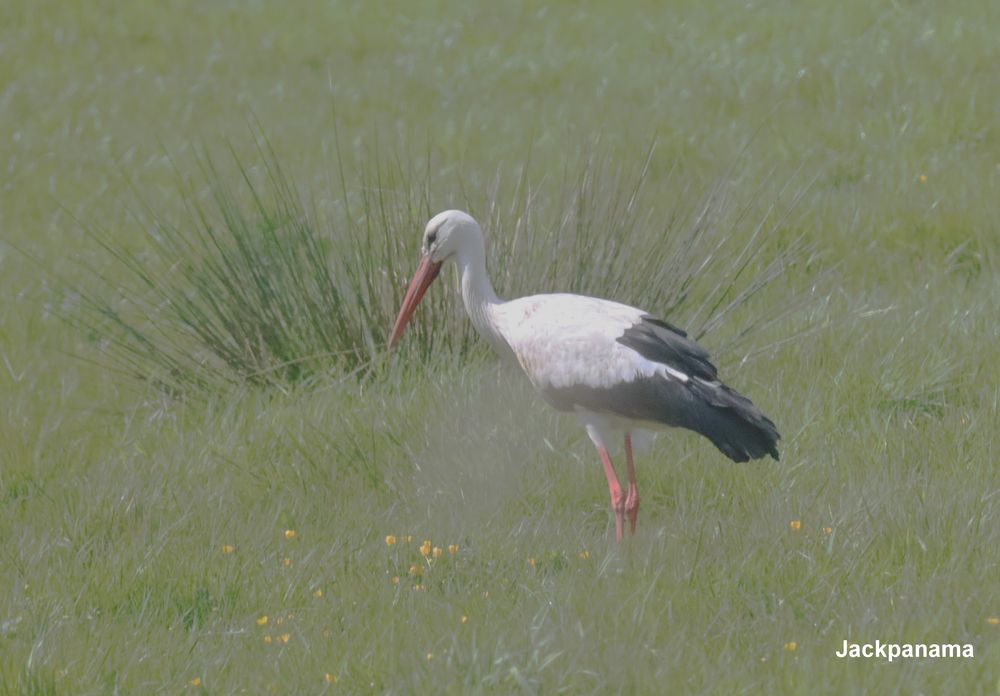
{"type": "Point", "coordinates": [617, 367]}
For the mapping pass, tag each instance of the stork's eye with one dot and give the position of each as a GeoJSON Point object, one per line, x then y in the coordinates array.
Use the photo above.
{"type": "Point", "coordinates": [431, 238]}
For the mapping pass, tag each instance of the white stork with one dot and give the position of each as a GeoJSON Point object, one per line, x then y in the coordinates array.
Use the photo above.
{"type": "Point", "coordinates": [617, 367]}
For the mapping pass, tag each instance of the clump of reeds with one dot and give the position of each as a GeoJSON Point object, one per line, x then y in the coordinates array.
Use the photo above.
{"type": "Point", "coordinates": [254, 286]}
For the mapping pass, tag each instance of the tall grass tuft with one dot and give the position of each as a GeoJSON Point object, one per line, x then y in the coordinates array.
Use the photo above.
{"type": "Point", "coordinates": [244, 291]}
{"type": "Point", "coordinates": [255, 286]}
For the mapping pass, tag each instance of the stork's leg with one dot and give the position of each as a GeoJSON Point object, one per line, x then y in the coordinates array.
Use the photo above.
{"type": "Point", "coordinates": [617, 497]}
{"type": "Point", "coordinates": [632, 499]}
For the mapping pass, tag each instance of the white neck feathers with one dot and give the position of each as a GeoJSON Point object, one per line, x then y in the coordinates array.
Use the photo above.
{"type": "Point", "coordinates": [478, 295]}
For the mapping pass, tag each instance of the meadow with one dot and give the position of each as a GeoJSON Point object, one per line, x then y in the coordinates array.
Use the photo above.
{"type": "Point", "coordinates": [214, 478]}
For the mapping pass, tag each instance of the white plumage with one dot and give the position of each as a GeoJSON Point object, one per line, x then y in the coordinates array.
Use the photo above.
{"type": "Point", "coordinates": [562, 340]}
{"type": "Point", "coordinates": [618, 368]}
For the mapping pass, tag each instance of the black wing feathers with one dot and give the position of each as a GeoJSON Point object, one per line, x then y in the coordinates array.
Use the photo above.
{"type": "Point", "coordinates": [660, 341]}
{"type": "Point", "coordinates": [731, 422]}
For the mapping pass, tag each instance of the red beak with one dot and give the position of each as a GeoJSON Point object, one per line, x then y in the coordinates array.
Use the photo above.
{"type": "Point", "coordinates": [427, 271]}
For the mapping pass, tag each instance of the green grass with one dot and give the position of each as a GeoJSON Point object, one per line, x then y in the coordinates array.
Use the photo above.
{"type": "Point", "coordinates": [116, 500]}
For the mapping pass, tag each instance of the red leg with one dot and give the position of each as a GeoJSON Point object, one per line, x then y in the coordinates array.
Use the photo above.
{"type": "Point", "coordinates": [632, 499]}
{"type": "Point", "coordinates": [617, 498]}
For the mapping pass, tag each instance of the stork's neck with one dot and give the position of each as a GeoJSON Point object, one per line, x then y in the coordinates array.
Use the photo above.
{"type": "Point", "coordinates": [478, 294]}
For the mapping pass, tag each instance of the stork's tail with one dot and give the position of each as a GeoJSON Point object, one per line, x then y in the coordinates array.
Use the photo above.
{"type": "Point", "coordinates": [731, 422]}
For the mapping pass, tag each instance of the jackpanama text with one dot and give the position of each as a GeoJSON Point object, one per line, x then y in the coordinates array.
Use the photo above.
{"type": "Point", "coordinates": [893, 651]}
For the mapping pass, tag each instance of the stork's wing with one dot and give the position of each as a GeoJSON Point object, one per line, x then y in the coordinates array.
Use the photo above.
{"type": "Point", "coordinates": [662, 342]}
{"type": "Point", "coordinates": [600, 356]}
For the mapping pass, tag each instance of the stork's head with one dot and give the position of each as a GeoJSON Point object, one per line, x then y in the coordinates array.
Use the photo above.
{"type": "Point", "coordinates": [447, 235]}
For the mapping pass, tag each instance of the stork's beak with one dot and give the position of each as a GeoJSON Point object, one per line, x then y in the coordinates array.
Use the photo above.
{"type": "Point", "coordinates": [427, 271]}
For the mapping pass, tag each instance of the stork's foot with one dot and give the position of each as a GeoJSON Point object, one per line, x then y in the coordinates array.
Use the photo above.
{"type": "Point", "coordinates": [632, 499]}
{"type": "Point", "coordinates": [617, 497]}
{"type": "Point", "coordinates": [619, 506]}
{"type": "Point", "coordinates": [631, 507]}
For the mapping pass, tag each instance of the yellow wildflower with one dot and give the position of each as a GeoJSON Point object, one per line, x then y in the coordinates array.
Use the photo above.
{"type": "Point", "coordinates": [430, 656]}
{"type": "Point", "coordinates": [286, 561]}
{"type": "Point", "coordinates": [228, 548]}
{"type": "Point", "coordinates": [585, 554]}
{"type": "Point", "coordinates": [531, 562]}
{"type": "Point", "coordinates": [922, 178]}
{"type": "Point", "coordinates": [416, 570]}
{"type": "Point", "coordinates": [317, 593]}
{"type": "Point", "coordinates": [395, 579]}
{"type": "Point", "coordinates": [452, 548]}
{"type": "Point", "coordinates": [425, 548]}
{"type": "Point", "coordinates": [290, 533]}
{"type": "Point", "coordinates": [791, 645]}
{"type": "Point", "coordinates": [267, 639]}
{"type": "Point", "coordinates": [993, 621]}
{"type": "Point", "coordinates": [330, 678]}
{"type": "Point", "coordinates": [465, 619]}
{"type": "Point", "coordinates": [390, 539]}
{"type": "Point", "coordinates": [796, 525]}
{"type": "Point", "coordinates": [262, 621]}
{"type": "Point", "coordinates": [828, 530]}
{"type": "Point", "coordinates": [284, 637]}
{"type": "Point", "coordinates": [408, 538]}
{"type": "Point", "coordinates": [195, 682]}
{"type": "Point", "coordinates": [436, 552]}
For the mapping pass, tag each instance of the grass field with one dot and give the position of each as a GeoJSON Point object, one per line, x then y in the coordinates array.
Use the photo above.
{"type": "Point", "coordinates": [232, 538]}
